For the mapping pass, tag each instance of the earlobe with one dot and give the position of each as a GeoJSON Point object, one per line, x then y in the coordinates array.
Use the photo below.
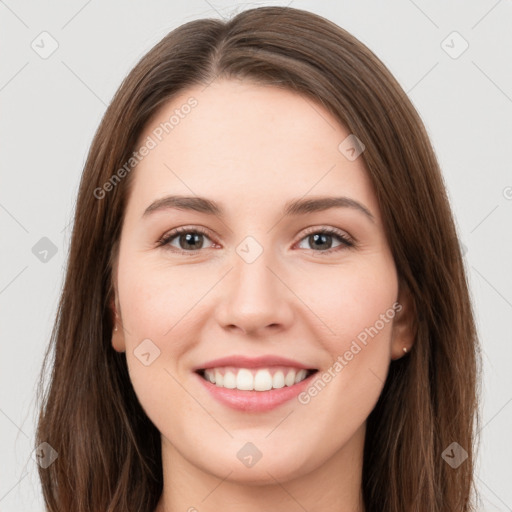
{"type": "Point", "coordinates": [404, 324]}
{"type": "Point", "coordinates": [118, 341]}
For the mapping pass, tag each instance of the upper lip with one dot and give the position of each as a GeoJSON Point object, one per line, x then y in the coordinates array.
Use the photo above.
{"type": "Point", "coordinates": [252, 362]}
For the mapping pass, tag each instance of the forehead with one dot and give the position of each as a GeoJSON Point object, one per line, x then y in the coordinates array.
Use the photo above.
{"type": "Point", "coordinates": [243, 143]}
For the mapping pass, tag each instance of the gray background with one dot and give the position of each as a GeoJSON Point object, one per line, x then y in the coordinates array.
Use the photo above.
{"type": "Point", "coordinates": [52, 106]}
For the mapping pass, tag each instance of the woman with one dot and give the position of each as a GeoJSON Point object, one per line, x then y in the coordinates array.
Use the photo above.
{"type": "Point", "coordinates": [265, 305]}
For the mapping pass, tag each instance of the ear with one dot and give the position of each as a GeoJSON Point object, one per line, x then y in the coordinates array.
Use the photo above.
{"type": "Point", "coordinates": [118, 341]}
{"type": "Point", "coordinates": [404, 323]}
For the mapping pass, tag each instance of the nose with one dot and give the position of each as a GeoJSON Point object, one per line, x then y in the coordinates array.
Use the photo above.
{"type": "Point", "coordinates": [255, 299]}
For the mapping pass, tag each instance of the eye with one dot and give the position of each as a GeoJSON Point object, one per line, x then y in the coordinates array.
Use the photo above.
{"type": "Point", "coordinates": [321, 239]}
{"type": "Point", "coordinates": [189, 240]}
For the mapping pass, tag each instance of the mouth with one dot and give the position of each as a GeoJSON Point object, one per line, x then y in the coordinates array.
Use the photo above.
{"type": "Point", "coordinates": [254, 390]}
{"type": "Point", "coordinates": [255, 379]}
{"type": "Point", "coordinates": [253, 384]}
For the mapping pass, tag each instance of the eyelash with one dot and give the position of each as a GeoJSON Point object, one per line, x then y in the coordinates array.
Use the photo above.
{"type": "Point", "coordinates": [346, 242]}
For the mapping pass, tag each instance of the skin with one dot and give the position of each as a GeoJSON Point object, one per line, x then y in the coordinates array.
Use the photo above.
{"type": "Point", "coordinates": [252, 148]}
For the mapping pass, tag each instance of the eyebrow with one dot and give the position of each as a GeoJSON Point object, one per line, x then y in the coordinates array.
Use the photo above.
{"type": "Point", "coordinates": [293, 207]}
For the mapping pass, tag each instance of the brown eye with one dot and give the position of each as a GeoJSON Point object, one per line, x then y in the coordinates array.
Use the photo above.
{"type": "Point", "coordinates": [321, 240]}
{"type": "Point", "coordinates": [184, 240]}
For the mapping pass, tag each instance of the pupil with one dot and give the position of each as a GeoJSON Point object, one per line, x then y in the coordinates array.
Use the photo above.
{"type": "Point", "coordinates": [191, 238]}
{"type": "Point", "coordinates": [321, 237]}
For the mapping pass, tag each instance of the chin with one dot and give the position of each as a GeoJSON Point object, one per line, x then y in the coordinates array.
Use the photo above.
{"type": "Point", "coordinates": [271, 466]}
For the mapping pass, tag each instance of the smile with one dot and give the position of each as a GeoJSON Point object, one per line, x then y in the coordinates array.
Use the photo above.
{"type": "Point", "coordinates": [257, 379]}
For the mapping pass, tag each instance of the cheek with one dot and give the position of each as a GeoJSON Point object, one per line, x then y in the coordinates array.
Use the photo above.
{"type": "Point", "coordinates": [359, 311]}
{"type": "Point", "coordinates": [162, 306]}
{"type": "Point", "coordinates": [356, 304]}
{"type": "Point", "coordinates": [351, 298]}
{"type": "Point", "coordinates": [154, 303]}
{"type": "Point", "coordinates": [156, 299]}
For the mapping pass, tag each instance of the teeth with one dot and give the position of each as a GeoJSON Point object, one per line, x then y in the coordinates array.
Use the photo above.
{"type": "Point", "coordinates": [262, 379]}
{"type": "Point", "coordinates": [278, 380]}
{"type": "Point", "coordinates": [229, 380]}
{"type": "Point", "coordinates": [301, 375]}
{"type": "Point", "coordinates": [244, 380]}
{"type": "Point", "coordinates": [289, 380]}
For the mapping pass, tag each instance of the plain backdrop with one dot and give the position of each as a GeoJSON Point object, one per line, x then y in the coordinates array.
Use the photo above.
{"type": "Point", "coordinates": [452, 58]}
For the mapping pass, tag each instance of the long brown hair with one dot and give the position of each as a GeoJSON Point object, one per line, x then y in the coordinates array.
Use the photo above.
{"type": "Point", "coordinates": [109, 454]}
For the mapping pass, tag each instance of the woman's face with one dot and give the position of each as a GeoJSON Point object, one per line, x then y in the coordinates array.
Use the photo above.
{"type": "Point", "coordinates": [252, 279]}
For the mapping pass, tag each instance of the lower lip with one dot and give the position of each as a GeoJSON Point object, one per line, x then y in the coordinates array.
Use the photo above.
{"type": "Point", "coordinates": [255, 401]}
